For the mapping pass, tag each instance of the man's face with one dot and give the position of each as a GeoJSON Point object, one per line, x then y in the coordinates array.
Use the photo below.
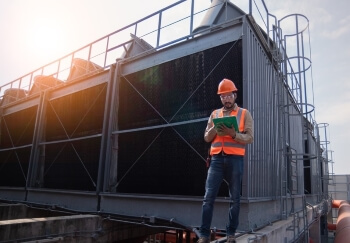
{"type": "Point", "coordinates": [228, 99]}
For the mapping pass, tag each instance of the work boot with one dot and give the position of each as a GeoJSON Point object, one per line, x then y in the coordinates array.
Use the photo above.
{"type": "Point", "coordinates": [231, 239]}
{"type": "Point", "coordinates": [203, 240]}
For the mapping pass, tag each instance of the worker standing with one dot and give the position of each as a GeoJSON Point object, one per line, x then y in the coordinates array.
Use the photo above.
{"type": "Point", "coordinates": [227, 155]}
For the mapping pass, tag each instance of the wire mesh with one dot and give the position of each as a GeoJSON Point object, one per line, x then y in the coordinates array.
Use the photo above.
{"type": "Point", "coordinates": [170, 160]}
{"type": "Point", "coordinates": [15, 140]}
{"type": "Point", "coordinates": [75, 115]}
{"type": "Point", "coordinates": [74, 164]}
{"type": "Point", "coordinates": [14, 133]}
{"type": "Point", "coordinates": [14, 167]}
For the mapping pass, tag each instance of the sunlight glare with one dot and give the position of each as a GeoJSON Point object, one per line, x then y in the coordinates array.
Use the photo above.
{"type": "Point", "coordinates": [44, 38]}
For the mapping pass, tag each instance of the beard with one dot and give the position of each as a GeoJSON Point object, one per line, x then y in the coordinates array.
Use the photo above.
{"type": "Point", "coordinates": [228, 105]}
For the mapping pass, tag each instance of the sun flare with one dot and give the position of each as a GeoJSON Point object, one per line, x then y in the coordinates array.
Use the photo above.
{"type": "Point", "coordinates": [44, 38]}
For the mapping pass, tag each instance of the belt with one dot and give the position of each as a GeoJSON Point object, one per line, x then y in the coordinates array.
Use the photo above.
{"type": "Point", "coordinates": [222, 153]}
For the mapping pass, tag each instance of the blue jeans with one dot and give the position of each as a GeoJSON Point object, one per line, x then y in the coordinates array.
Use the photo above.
{"type": "Point", "coordinates": [229, 168]}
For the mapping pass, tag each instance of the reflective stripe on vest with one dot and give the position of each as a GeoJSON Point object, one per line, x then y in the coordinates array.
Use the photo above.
{"type": "Point", "coordinates": [227, 143]}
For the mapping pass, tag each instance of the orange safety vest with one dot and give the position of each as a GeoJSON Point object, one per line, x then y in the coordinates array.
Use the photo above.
{"type": "Point", "coordinates": [227, 143]}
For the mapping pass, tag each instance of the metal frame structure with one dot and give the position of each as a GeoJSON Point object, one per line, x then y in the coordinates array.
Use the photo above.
{"type": "Point", "coordinates": [274, 90]}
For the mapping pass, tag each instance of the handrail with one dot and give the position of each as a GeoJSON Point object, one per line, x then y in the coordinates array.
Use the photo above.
{"type": "Point", "coordinates": [25, 82]}
{"type": "Point", "coordinates": [106, 55]}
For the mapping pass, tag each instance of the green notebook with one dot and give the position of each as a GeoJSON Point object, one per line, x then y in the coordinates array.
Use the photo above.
{"type": "Point", "coordinates": [228, 121]}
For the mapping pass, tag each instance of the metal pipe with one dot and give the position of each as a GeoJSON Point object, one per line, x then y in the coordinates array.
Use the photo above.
{"type": "Point", "coordinates": [192, 14]}
{"type": "Point", "coordinates": [343, 222]}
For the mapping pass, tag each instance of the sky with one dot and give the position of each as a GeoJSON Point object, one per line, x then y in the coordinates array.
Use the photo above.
{"type": "Point", "coordinates": [27, 27]}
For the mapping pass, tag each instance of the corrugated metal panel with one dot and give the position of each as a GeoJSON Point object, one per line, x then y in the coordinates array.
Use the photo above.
{"type": "Point", "coordinates": [316, 172]}
{"type": "Point", "coordinates": [261, 84]}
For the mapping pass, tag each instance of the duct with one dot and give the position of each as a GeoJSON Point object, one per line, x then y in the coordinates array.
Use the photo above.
{"type": "Point", "coordinates": [12, 94]}
{"type": "Point", "coordinates": [81, 67]}
{"type": "Point", "coordinates": [342, 227]}
{"type": "Point", "coordinates": [137, 46]}
{"type": "Point", "coordinates": [42, 82]}
{"type": "Point", "coordinates": [220, 11]}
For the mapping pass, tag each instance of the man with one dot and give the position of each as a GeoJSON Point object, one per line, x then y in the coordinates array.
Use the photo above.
{"type": "Point", "coordinates": [227, 152]}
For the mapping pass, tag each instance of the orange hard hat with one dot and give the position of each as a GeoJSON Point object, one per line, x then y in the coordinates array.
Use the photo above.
{"type": "Point", "coordinates": [226, 85]}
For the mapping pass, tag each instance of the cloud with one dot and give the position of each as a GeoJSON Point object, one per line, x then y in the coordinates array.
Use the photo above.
{"type": "Point", "coordinates": [334, 30]}
{"type": "Point", "coordinates": [345, 21]}
{"type": "Point", "coordinates": [336, 33]}
{"type": "Point", "coordinates": [320, 16]}
{"type": "Point", "coordinates": [339, 105]}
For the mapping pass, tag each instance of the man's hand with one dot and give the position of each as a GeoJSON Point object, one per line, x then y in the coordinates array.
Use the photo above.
{"type": "Point", "coordinates": [222, 130]}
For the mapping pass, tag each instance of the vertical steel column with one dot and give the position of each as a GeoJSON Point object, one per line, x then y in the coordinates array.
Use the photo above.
{"type": "Point", "coordinates": [245, 78]}
{"type": "Point", "coordinates": [37, 153]}
{"type": "Point", "coordinates": [112, 149]}
{"type": "Point", "coordinates": [111, 154]}
{"type": "Point", "coordinates": [105, 139]}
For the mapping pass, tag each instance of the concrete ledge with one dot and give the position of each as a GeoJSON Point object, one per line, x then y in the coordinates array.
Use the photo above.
{"type": "Point", "coordinates": [32, 228]}
{"type": "Point", "coordinates": [276, 232]}
{"type": "Point", "coordinates": [283, 230]}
